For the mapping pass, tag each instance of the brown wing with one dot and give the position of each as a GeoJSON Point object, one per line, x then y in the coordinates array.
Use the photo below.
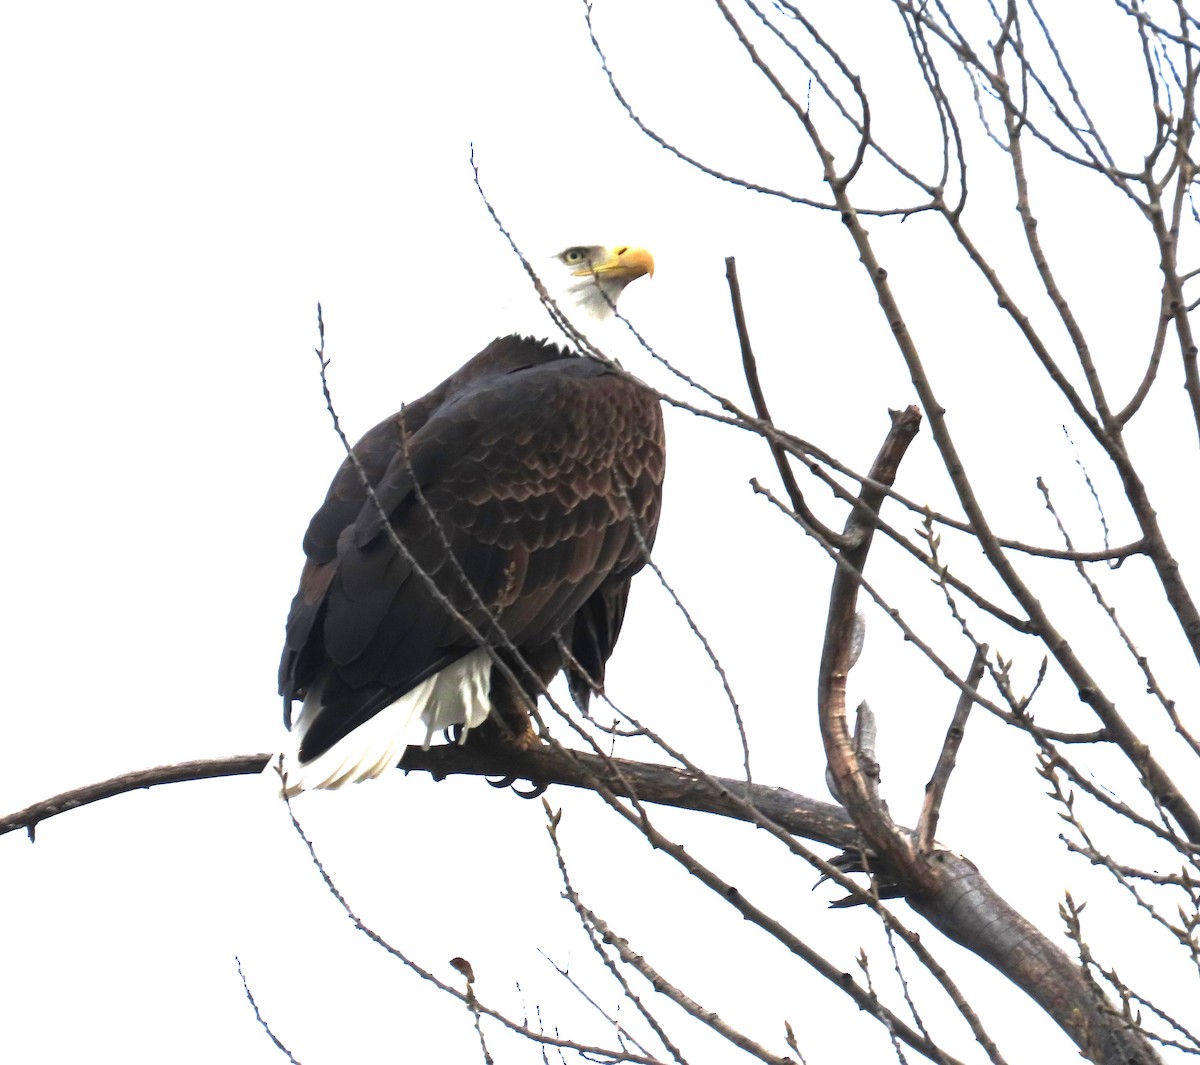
{"type": "Point", "coordinates": [520, 494]}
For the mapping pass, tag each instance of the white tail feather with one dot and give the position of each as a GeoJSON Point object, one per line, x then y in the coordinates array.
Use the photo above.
{"type": "Point", "coordinates": [458, 695]}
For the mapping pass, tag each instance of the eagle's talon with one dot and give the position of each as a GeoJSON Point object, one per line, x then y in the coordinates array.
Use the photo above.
{"type": "Point", "coordinates": [503, 782]}
{"type": "Point", "coordinates": [536, 791]}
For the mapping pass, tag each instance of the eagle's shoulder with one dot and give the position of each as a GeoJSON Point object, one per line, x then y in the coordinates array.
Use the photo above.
{"type": "Point", "coordinates": [502, 358]}
{"type": "Point", "coordinates": [378, 447]}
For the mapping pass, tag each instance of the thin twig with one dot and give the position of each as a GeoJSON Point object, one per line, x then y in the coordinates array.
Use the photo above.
{"type": "Point", "coordinates": [262, 1021]}
{"type": "Point", "coordinates": [936, 788]}
{"type": "Point", "coordinates": [750, 368]}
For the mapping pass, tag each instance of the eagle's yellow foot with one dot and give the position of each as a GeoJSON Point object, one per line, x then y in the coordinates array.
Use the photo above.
{"type": "Point", "coordinates": [502, 732]}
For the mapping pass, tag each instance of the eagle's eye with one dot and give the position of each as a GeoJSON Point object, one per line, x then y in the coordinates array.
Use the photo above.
{"type": "Point", "coordinates": [574, 256]}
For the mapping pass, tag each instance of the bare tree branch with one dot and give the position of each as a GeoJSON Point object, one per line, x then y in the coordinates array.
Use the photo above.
{"type": "Point", "coordinates": [936, 788]}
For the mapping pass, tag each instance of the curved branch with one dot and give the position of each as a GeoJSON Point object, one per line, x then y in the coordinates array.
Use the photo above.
{"type": "Point", "coordinates": [200, 769]}
{"type": "Point", "coordinates": [946, 888]}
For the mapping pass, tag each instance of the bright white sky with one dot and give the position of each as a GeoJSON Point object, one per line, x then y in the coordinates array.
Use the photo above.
{"type": "Point", "coordinates": [182, 186]}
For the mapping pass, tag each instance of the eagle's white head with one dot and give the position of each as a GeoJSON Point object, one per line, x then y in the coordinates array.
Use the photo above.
{"type": "Point", "coordinates": [598, 275]}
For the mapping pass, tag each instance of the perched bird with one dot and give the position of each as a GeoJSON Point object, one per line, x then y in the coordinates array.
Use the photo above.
{"type": "Point", "coordinates": [521, 495]}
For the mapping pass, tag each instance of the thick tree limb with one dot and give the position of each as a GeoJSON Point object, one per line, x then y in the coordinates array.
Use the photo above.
{"type": "Point", "coordinates": [820, 821]}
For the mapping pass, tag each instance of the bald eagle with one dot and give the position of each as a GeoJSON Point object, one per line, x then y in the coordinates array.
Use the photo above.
{"type": "Point", "coordinates": [523, 493]}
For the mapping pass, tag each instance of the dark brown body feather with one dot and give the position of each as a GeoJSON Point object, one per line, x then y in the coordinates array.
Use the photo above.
{"type": "Point", "coordinates": [544, 472]}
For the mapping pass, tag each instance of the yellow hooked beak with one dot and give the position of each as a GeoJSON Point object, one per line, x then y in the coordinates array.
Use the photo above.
{"type": "Point", "coordinates": [623, 264]}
